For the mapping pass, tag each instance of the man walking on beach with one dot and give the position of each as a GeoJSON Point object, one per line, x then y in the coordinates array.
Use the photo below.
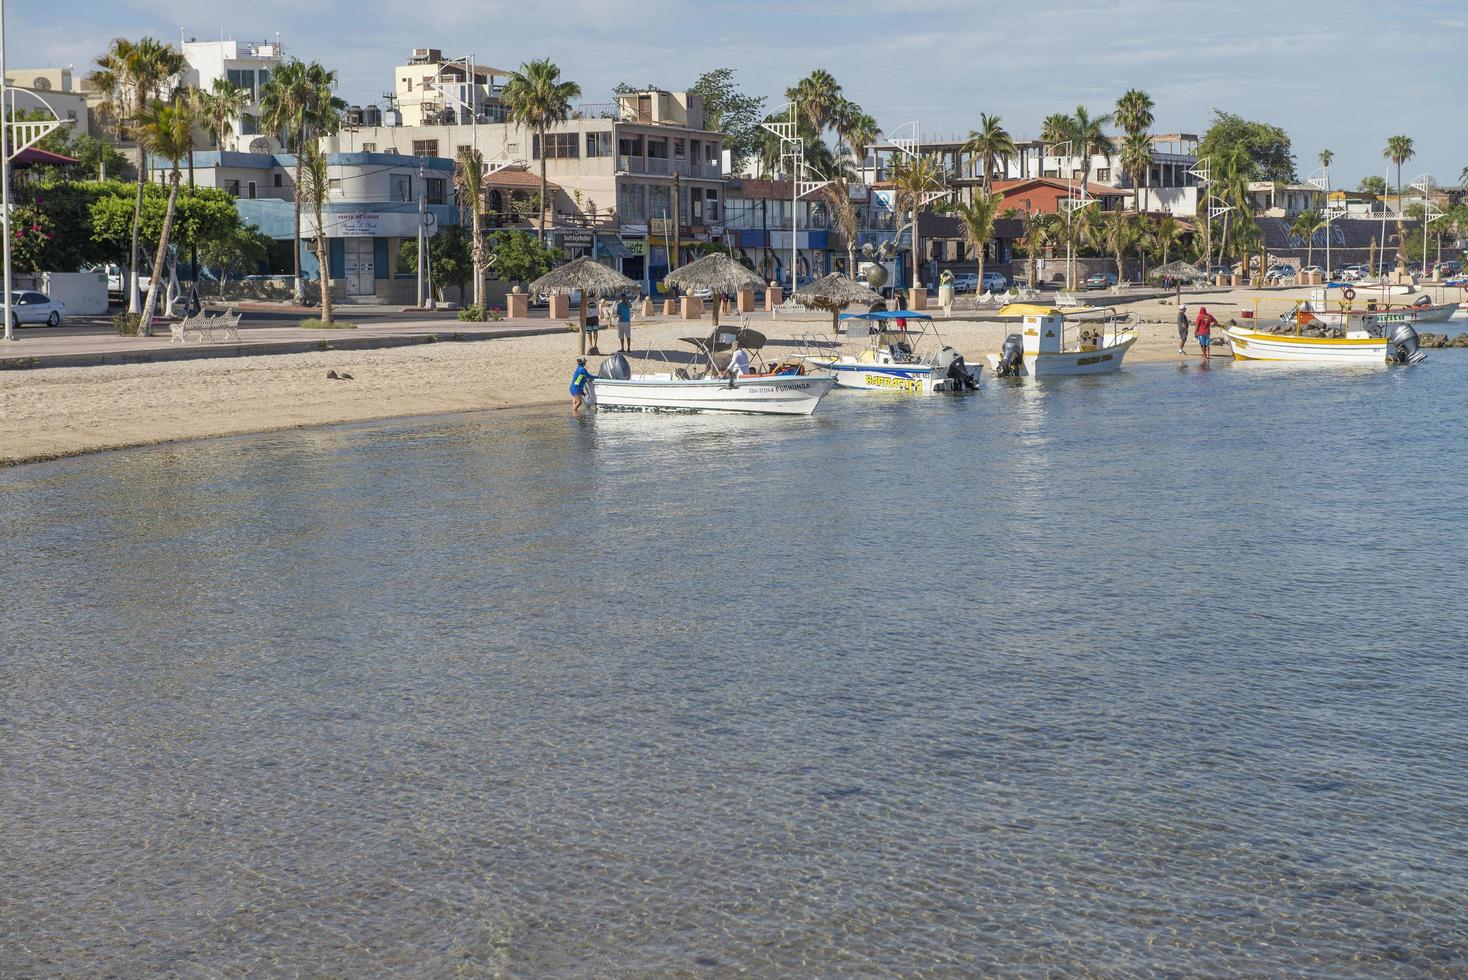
{"type": "Point", "coordinates": [624, 323]}
{"type": "Point", "coordinates": [1182, 328]}
{"type": "Point", "coordinates": [1204, 330]}
{"type": "Point", "coordinates": [580, 378]}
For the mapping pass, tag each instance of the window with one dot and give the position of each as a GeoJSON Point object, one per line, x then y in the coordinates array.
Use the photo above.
{"type": "Point", "coordinates": [599, 144]}
{"type": "Point", "coordinates": [242, 78]}
{"type": "Point", "coordinates": [369, 147]}
{"type": "Point", "coordinates": [629, 146]}
{"type": "Point", "coordinates": [679, 150]}
{"type": "Point", "coordinates": [711, 204]}
{"type": "Point", "coordinates": [409, 83]}
{"type": "Point", "coordinates": [232, 188]}
{"type": "Point", "coordinates": [558, 146]}
{"type": "Point", "coordinates": [425, 148]}
{"type": "Point", "coordinates": [1103, 174]}
{"type": "Point", "coordinates": [1052, 174]}
{"type": "Point", "coordinates": [462, 149]}
{"type": "Point", "coordinates": [434, 189]}
{"type": "Point", "coordinates": [252, 190]}
{"type": "Point", "coordinates": [657, 149]}
{"type": "Point", "coordinates": [334, 184]}
{"type": "Point", "coordinates": [713, 150]}
{"type": "Point", "coordinates": [428, 83]}
{"type": "Point", "coordinates": [400, 187]}
{"type": "Point", "coordinates": [249, 125]}
{"type": "Point", "coordinates": [278, 179]}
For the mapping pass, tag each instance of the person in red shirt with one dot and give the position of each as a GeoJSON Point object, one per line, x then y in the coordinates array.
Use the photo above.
{"type": "Point", "coordinates": [1204, 329]}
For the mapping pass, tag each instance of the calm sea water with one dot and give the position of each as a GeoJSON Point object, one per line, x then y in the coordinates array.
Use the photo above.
{"type": "Point", "coordinates": [1165, 672]}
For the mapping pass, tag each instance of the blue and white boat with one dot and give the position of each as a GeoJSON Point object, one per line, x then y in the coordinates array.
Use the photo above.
{"type": "Point", "coordinates": [898, 355]}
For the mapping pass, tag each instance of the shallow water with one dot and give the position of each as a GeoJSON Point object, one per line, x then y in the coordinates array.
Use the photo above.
{"type": "Point", "coordinates": [1162, 672]}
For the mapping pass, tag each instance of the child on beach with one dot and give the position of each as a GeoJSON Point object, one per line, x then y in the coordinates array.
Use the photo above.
{"type": "Point", "coordinates": [580, 378]}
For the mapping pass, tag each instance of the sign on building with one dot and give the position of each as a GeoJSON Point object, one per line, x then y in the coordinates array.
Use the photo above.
{"type": "Point", "coordinates": [573, 239]}
{"type": "Point", "coordinates": [360, 225]}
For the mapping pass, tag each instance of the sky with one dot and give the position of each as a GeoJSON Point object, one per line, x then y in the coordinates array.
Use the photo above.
{"type": "Point", "coordinates": [1342, 75]}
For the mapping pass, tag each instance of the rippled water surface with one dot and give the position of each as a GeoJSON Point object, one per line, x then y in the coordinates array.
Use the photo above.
{"type": "Point", "coordinates": [1163, 672]}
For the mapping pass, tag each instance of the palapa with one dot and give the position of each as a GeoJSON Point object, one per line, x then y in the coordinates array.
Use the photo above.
{"type": "Point", "coordinates": [835, 292]}
{"type": "Point", "coordinates": [716, 272]}
{"type": "Point", "coordinates": [1179, 270]}
{"type": "Point", "coordinates": [587, 277]}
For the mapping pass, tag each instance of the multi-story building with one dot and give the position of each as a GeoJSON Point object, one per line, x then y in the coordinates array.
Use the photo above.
{"type": "Point", "coordinates": [374, 207]}
{"type": "Point", "coordinates": [246, 65]}
{"type": "Point", "coordinates": [431, 90]}
{"type": "Point", "coordinates": [53, 88]}
{"type": "Point", "coordinates": [626, 171]}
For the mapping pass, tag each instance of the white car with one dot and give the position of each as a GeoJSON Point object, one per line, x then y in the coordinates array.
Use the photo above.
{"type": "Point", "coordinates": [965, 282]}
{"type": "Point", "coordinates": [994, 282]}
{"type": "Point", "coordinates": [28, 306]}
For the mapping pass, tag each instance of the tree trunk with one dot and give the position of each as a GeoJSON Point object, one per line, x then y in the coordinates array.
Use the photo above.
{"type": "Point", "coordinates": [147, 324]}
{"type": "Point", "coordinates": [582, 331]}
{"type": "Point", "coordinates": [132, 281]}
{"type": "Point", "coordinates": [542, 216]}
{"type": "Point", "coordinates": [323, 260]}
{"type": "Point", "coordinates": [478, 260]}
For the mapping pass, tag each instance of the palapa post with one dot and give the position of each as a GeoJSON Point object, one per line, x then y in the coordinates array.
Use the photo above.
{"type": "Point", "coordinates": [589, 278]}
{"type": "Point", "coordinates": [716, 272]}
{"type": "Point", "coordinates": [835, 292]}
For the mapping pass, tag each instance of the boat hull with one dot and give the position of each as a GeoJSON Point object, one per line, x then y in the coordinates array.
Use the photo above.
{"type": "Point", "coordinates": [781, 395]}
{"type": "Point", "coordinates": [1252, 345]}
{"type": "Point", "coordinates": [914, 379]}
{"type": "Point", "coordinates": [1103, 360]}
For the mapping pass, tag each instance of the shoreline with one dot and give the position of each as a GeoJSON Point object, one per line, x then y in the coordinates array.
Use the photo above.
{"type": "Point", "coordinates": [58, 413]}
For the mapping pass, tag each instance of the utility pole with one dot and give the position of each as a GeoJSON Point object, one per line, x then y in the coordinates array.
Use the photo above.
{"type": "Point", "coordinates": [5, 176]}
{"type": "Point", "coordinates": [422, 228]}
{"type": "Point", "coordinates": [677, 222]}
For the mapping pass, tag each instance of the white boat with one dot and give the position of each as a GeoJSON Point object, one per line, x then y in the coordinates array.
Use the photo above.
{"type": "Point", "coordinates": [1376, 343]}
{"type": "Point", "coordinates": [1344, 305]}
{"type": "Point", "coordinates": [782, 389]}
{"type": "Point", "coordinates": [894, 358]}
{"type": "Point", "coordinates": [1097, 344]}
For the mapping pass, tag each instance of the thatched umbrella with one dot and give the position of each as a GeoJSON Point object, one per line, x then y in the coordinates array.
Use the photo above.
{"type": "Point", "coordinates": [835, 292]}
{"type": "Point", "coordinates": [586, 276]}
{"type": "Point", "coordinates": [1179, 269]}
{"type": "Point", "coordinates": [717, 272]}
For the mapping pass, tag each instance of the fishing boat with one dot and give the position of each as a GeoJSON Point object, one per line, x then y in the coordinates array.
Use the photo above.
{"type": "Point", "coordinates": [902, 353]}
{"type": "Point", "coordinates": [1096, 343]}
{"type": "Point", "coordinates": [783, 388]}
{"type": "Point", "coordinates": [1376, 339]}
{"type": "Point", "coordinates": [1337, 304]}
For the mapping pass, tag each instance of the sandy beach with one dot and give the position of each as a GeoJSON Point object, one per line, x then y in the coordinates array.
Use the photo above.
{"type": "Point", "coordinates": [57, 412]}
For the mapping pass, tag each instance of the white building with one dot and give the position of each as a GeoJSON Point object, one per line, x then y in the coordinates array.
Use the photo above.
{"type": "Point", "coordinates": [245, 64]}
{"type": "Point", "coordinates": [432, 90]}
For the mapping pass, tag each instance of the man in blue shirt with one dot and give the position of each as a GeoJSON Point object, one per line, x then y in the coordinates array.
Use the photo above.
{"type": "Point", "coordinates": [579, 381]}
{"type": "Point", "coordinates": [624, 323]}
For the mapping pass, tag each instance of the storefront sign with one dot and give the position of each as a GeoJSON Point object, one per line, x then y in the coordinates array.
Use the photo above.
{"type": "Point", "coordinates": [361, 225]}
{"type": "Point", "coordinates": [574, 239]}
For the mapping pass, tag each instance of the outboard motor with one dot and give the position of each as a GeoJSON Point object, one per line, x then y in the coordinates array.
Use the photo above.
{"type": "Point", "coordinates": [1403, 345]}
{"type": "Point", "coordinates": [957, 372]}
{"type": "Point", "coordinates": [1011, 356]}
{"type": "Point", "coordinates": [615, 368]}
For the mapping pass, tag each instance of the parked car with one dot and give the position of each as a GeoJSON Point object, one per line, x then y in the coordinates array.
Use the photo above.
{"type": "Point", "coordinates": [1219, 270]}
{"type": "Point", "coordinates": [1312, 270]}
{"type": "Point", "coordinates": [966, 282]}
{"type": "Point", "coordinates": [1100, 280]}
{"type": "Point", "coordinates": [1277, 273]}
{"type": "Point", "coordinates": [29, 306]}
{"type": "Point", "coordinates": [1449, 268]}
{"type": "Point", "coordinates": [1352, 273]}
{"type": "Point", "coordinates": [994, 282]}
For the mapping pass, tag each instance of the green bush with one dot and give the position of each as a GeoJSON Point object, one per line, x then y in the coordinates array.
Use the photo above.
{"type": "Point", "coordinates": [127, 324]}
{"type": "Point", "coordinates": [317, 324]}
{"type": "Point", "coordinates": [496, 314]}
{"type": "Point", "coordinates": [471, 313]}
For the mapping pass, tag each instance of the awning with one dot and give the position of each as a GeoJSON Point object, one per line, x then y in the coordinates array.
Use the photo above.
{"type": "Point", "coordinates": [612, 247]}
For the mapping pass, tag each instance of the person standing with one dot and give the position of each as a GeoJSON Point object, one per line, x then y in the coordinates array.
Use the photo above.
{"type": "Point", "coordinates": [580, 379]}
{"type": "Point", "coordinates": [624, 323]}
{"type": "Point", "coordinates": [1204, 329]}
{"type": "Point", "coordinates": [593, 326]}
{"type": "Point", "coordinates": [1182, 328]}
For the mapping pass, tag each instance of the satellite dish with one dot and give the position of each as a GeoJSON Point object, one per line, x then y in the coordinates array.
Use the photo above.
{"type": "Point", "coordinates": [259, 145]}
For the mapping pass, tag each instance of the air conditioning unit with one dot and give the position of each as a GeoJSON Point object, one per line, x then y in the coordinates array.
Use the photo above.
{"type": "Point", "coordinates": [420, 52]}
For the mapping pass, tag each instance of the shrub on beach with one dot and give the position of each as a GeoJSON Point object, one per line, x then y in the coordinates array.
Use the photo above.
{"type": "Point", "coordinates": [471, 313]}
{"type": "Point", "coordinates": [318, 324]}
{"type": "Point", "coordinates": [127, 324]}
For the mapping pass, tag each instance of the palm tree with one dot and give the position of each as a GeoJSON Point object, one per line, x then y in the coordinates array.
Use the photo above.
{"type": "Point", "coordinates": [1232, 171]}
{"type": "Point", "coordinates": [469, 188]}
{"type": "Point", "coordinates": [1399, 150]}
{"type": "Point", "coordinates": [166, 130]}
{"type": "Point", "coordinates": [1089, 139]}
{"type": "Point", "coordinates": [977, 218]}
{"type": "Point", "coordinates": [1037, 234]}
{"type": "Point", "coordinates": [1134, 112]}
{"type": "Point", "coordinates": [538, 99]}
{"type": "Point", "coordinates": [1463, 178]}
{"type": "Point", "coordinates": [989, 143]}
{"type": "Point", "coordinates": [843, 217]}
{"type": "Point", "coordinates": [223, 104]}
{"type": "Point", "coordinates": [1166, 234]}
{"type": "Point", "coordinates": [1306, 224]}
{"type": "Point", "coordinates": [297, 103]}
{"type": "Point", "coordinates": [916, 178]}
{"type": "Point", "coordinates": [817, 98]}
{"type": "Point", "coordinates": [858, 131]}
{"type": "Point", "coordinates": [131, 75]}
{"type": "Point", "coordinates": [313, 188]}
{"type": "Point", "coordinates": [1136, 160]}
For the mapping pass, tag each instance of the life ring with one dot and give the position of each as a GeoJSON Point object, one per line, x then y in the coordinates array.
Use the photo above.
{"type": "Point", "coordinates": [1348, 293]}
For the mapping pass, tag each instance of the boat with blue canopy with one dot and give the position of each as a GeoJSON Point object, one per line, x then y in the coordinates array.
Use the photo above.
{"type": "Point", "coordinates": [901, 352]}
